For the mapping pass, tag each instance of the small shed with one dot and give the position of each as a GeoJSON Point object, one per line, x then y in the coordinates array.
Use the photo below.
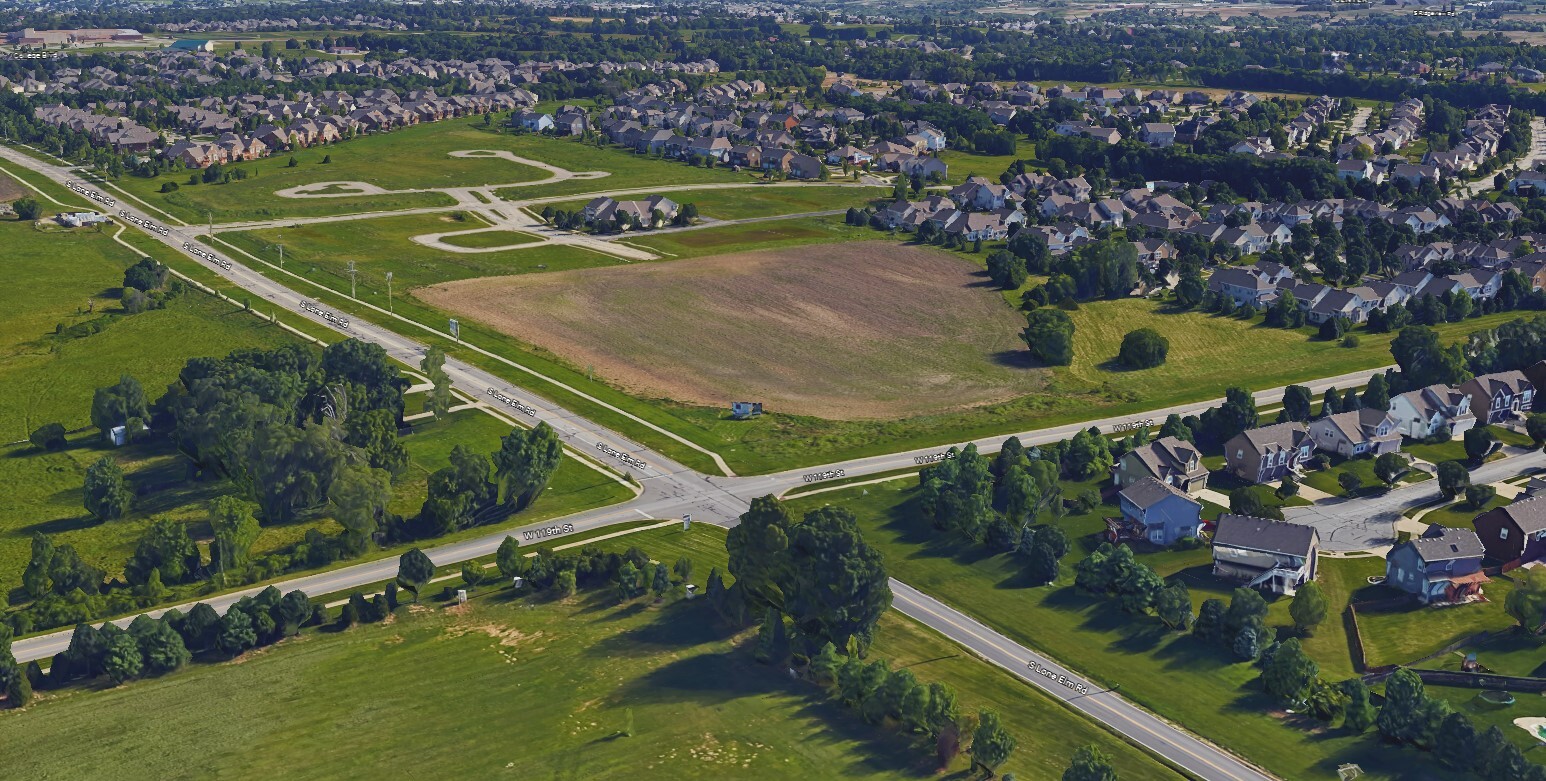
{"type": "Point", "coordinates": [741, 410]}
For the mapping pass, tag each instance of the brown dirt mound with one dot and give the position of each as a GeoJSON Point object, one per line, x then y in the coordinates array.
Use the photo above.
{"type": "Point", "coordinates": [856, 330]}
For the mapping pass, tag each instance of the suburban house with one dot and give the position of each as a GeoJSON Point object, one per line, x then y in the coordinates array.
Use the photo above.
{"type": "Point", "coordinates": [1499, 396]}
{"type": "Point", "coordinates": [1156, 512]}
{"type": "Point", "coordinates": [1361, 432]}
{"type": "Point", "coordinates": [1276, 556]}
{"type": "Point", "coordinates": [1425, 412]}
{"type": "Point", "coordinates": [625, 213]}
{"type": "Point", "coordinates": [1242, 285]}
{"type": "Point", "coordinates": [1267, 454]}
{"type": "Point", "coordinates": [1514, 533]}
{"type": "Point", "coordinates": [1442, 565]}
{"type": "Point", "coordinates": [1170, 460]}
{"type": "Point", "coordinates": [533, 121]}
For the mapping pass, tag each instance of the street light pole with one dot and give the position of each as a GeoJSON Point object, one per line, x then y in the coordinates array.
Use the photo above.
{"type": "Point", "coordinates": [281, 256]}
{"type": "Point", "coordinates": [351, 279]}
{"type": "Point", "coordinates": [389, 291]}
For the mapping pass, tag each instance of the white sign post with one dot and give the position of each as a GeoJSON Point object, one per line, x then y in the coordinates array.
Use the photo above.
{"type": "Point", "coordinates": [686, 521]}
{"type": "Point", "coordinates": [461, 596]}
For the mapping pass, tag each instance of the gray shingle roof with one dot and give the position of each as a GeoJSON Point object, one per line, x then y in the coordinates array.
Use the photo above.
{"type": "Point", "coordinates": [1442, 543]}
{"type": "Point", "coordinates": [1262, 534]}
{"type": "Point", "coordinates": [1148, 492]}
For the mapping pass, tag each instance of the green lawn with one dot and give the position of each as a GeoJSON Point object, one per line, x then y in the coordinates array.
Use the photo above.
{"type": "Point", "coordinates": [764, 200]}
{"type": "Point", "coordinates": [567, 672]}
{"type": "Point", "coordinates": [322, 252]}
{"type": "Point", "coordinates": [1226, 483]}
{"type": "Point", "coordinates": [1483, 715]}
{"type": "Point", "coordinates": [1363, 468]}
{"type": "Point", "coordinates": [1458, 514]}
{"type": "Point", "coordinates": [964, 164]}
{"type": "Point", "coordinates": [1196, 685]}
{"type": "Point", "coordinates": [1513, 653]}
{"type": "Point", "coordinates": [495, 238]}
{"type": "Point", "coordinates": [1404, 635]}
{"type": "Point", "coordinates": [774, 234]}
{"type": "Point", "coordinates": [628, 170]}
{"type": "Point", "coordinates": [1454, 449]}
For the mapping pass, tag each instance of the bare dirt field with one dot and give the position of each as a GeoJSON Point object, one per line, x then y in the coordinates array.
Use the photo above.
{"type": "Point", "coordinates": [841, 331]}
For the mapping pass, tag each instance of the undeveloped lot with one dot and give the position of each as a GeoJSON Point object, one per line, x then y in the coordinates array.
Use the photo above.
{"type": "Point", "coordinates": [856, 330]}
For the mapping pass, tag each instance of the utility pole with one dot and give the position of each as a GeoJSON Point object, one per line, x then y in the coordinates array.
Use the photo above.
{"type": "Point", "coordinates": [389, 291]}
{"type": "Point", "coordinates": [281, 256]}
{"type": "Point", "coordinates": [211, 217]}
{"type": "Point", "coordinates": [351, 279]}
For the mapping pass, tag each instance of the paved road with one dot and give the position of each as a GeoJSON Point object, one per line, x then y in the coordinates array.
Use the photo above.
{"type": "Point", "coordinates": [670, 490]}
{"type": "Point", "coordinates": [1370, 522]}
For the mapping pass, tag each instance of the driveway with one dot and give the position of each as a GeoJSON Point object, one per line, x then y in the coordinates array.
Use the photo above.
{"type": "Point", "coordinates": [1369, 523]}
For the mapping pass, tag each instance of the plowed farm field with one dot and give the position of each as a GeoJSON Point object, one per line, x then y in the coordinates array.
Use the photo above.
{"type": "Point", "coordinates": [840, 331]}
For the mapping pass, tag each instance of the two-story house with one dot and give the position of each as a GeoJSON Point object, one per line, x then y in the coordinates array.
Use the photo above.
{"type": "Point", "coordinates": [1499, 396]}
{"type": "Point", "coordinates": [1170, 460]}
{"type": "Point", "coordinates": [1267, 454]}
{"type": "Point", "coordinates": [1355, 433]}
{"type": "Point", "coordinates": [1442, 565]}
{"type": "Point", "coordinates": [1424, 412]}
{"type": "Point", "coordinates": [1275, 556]}
{"type": "Point", "coordinates": [1157, 512]}
{"type": "Point", "coordinates": [1514, 533]}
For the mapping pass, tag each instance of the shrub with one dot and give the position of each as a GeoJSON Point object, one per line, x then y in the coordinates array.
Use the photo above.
{"type": "Point", "coordinates": [1351, 340]}
{"type": "Point", "coordinates": [49, 436]}
{"type": "Point", "coordinates": [1144, 348]}
{"type": "Point", "coordinates": [168, 187]}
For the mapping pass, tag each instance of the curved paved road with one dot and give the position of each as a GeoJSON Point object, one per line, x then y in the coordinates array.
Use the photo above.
{"type": "Point", "coordinates": [670, 490]}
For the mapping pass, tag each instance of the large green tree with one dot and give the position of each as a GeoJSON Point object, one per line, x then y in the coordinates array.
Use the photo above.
{"type": "Point", "coordinates": [525, 461]}
{"type": "Point", "coordinates": [836, 587]}
{"type": "Point", "coordinates": [758, 547]}
{"type": "Point", "coordinates": [122, 404]}
{"type": "Point", "coordinates": [1309, 608]}
{"type": "Point", "coordinates": [107, 493]}
{"type": "Point", "coordinates": [165, 547]}
{"type": "Point", "coordinates": [236, 529]}
{"type": "Point", "coordinates": [991, 743]}
{"type": "Point", "coordinates": [1090, 764]}
{"type": "Point", "coordinates": [360, 495]}
{"type": "Point", "coordinates": [1049, 334]}
{"type": "Point", "coordinates": [438, 400]}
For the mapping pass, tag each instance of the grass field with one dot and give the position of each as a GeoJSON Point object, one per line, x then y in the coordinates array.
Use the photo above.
{"type": "Point", "coordinates": [1363, 468]}
{"type": "Point", "coordinates": [1172, 674]}
{"type": "Point", "coordinates": [864, 329]}
{"type": "Point", "coordinates": [485, 239]}
{"type": "Point", "coordinates": [567, 673]}
{"type": "Point", "coordinates": [1458, 514]}
{"type": "Point", "coordinates": [774, 234]}
{"type": "Point", "coordinates": [965, 164]}
{"type": "Point", "coordinates": [1454, 449]}
{"type": "Point", "coordinates": [323, 251]}
{"type": "Point", "coordinates": [764, 200]}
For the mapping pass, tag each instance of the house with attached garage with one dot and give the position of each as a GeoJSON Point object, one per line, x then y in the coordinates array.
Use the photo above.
{"type": "Point", "coordinates": [1355, 433]}
{"type": "Point", "coordinates": [1514, 534]}
{"type": "Point", "coordinates": [1424, 412]}
{"type": "Point", "coordinates": [1155, 512]}
{"type": "Point", "coordinates": [1274, 556]}
{"type": "Point", "coordinates": [1442, 565]}
{"type": "Point", "coordinates": [1170, 460]}
{"type": "Point", "coordinates": [1500, 396]}
{"type": "Point", "coordinates": [1269, 453]}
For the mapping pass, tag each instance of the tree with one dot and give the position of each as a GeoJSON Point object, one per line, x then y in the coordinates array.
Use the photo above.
{"type": "Point", "coordinates": [1453, 478]}
{"type": "Point", "coordinates": [1309, 608]}
{"type": "Point", "coordinates": [1424, 361]}
{"type": "Point", "coordinates": [1456, 742]}
{"type": "Point", "coordinates": [107, 494]}
{"type": "Point", "coordinates": [991, 743]}
{"type": "Point", "coordinates": [660, 583]}
{"type": "Point", "coordinates": [1190, 290]}
{"type": "Point", "coordinates": [236, 529]}
{"type": "Point", "coordinates": [1049, 334]}
{"type": "Point", "coordinates": [146, 275]}
{"type": "Point", "coordinates": [1174, 606]}
{"type": "Point", "coordinates": [1358, 713]}
{"type": "Point", "coordinates": [757, 548]}
{"type": "Point", "coordinates": [1235, 415]}
{"type": "Point", "coordinates": [1479, 443]}
{"type": "Point", "coordinates": [683, 569]}
{"type": "Point", "coordinates": [1389, 467]}
{"type": "Point", "coordinates": [49, 436]}
{"type": "Point", "coordinates": [1144, 348]}
{"type": "Point", "coordinates": [1090, 764]}
{"type": "Point", "coordinates": [235, 632]}
{"type": "Point", "coordinates": [1527, 602]}
{"type": "Point", "coordinates": [414, 569]}
{"type": "Point", "coordinates": [1349, 482]}
{"type": "Point", "coordinates": [1400, 716]}
{"type": "Point", "coordinates": [1535, 426]}
{"type": "Point", "coordinates": [27, 209]}
{"type": "Point", "coordinates": [1377, 394]}
{"type": "Point", "coordinates": [836, 587]}
{"type": "Point", "coordinates": [472, 575]}
{"type": "Point", "coordinates": [1331, 403]}
{"type": "Point", "coordinates": [1006, 270]}
{"type": "Point", "coordinates": [360, 495]}
{"type": "Point", "coordinates": [1290, 672]}
{"type": "Point", "coordinates": [525, 461]}
{"type": "Point", "coordinates": [1296, 403]}
{"type": "Point", "coordinates": [509, 559]}
{"type": "Point", "coordinates": [165, 549]}
{"type": "Point", "coordinates": [121, 658]}
{"type": "Point", "coordinates": [1477, 496]}
{"type": "Point", "coordinates": [123, 404]}
{"type": "Point", "coordinates": [438, 402]}
{"type": "Point", "coordinates": [628, 581]}
{"type": "Point", "coordinates": [824, 664]}
{"type": "Point", "coordinates": [1043, 566]}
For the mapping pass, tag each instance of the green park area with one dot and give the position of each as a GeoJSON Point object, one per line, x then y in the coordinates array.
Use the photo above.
{"type": "Point", "coordinates": [595, 688]}
{"type": "Point", "coordinates": [1174, 674]}
{"type": "Point", "coordinates": [762, 200]}
{"type": "Point", "coordinates": [489, 239]}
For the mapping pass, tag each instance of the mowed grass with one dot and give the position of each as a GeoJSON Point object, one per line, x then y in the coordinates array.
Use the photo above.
{"type": "Point", "coordinates": [965, 164]}
{"type": "Point", "coordinates": [1196, 685]}
{"type": "Point", "coordinates": [628, 170]}
{"type": "Point", "coordinates": [322, 252]}
{"type": "Point", "coordinates": [763, 200]}
{"type": "Point", "coordinates": [568, 673]}
{"type": "Point", "coordinates": [413, 158]}
{"type": "Point", "coordinates": [794, 232]}
{"type": "Point", "coordinates": [489, 239]}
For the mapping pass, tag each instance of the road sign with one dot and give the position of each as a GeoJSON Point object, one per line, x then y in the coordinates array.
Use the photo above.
{"type": "Point", "coordinates": [686, 521]}
{"type": "Point", "coordinates": [456, 330]}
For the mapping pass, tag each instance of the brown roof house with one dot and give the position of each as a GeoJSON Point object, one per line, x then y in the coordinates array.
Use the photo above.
{"type": "Point", "coordinates": [1267, 454]}
{"type": "Point", "coordinates": [1362, 432]}
{"type": "Point", "coordinates": [1500, 396]}
{"type": "Point", "coordinates": [1170, 460]}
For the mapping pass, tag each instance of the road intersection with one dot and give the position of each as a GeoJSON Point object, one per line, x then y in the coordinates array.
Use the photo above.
{"type": "Point", "coordinates": [672, 490]}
